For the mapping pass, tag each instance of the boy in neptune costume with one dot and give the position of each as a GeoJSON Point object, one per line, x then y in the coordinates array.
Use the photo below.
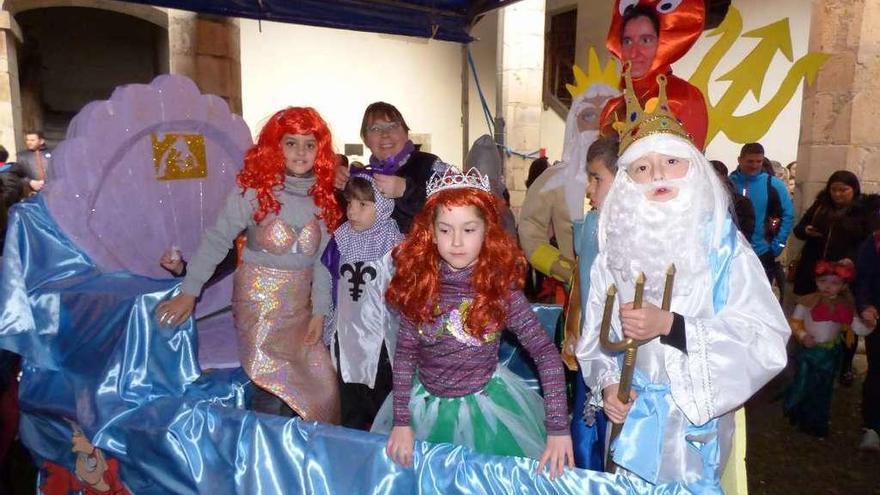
{"type": "Point", "coordinates": [724, 335]}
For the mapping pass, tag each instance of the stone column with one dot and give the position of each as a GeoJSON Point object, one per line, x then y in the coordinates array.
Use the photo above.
{"type": "Point", "coordinates": [181, 43]}
{"type": "Point", "coordinates": [218, 58]}
{"type": "Point", "coordinates": [839, 121]}
{"type": "Point", "coordinates": [10, 98]}
{"type": "Point", "coordinates": [206, 49]}
{"type": "Point", "coordinates": [520, 76]}
{"type": "Point", "coordinates": [864, 155]}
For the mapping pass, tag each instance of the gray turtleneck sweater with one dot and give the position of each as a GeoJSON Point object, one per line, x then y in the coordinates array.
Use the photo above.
{"type": "Point", "coordinates": [297, 210]}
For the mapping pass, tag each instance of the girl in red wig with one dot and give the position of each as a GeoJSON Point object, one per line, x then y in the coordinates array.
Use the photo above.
{"type": "Point", "coordinates": [287, 208]}
{"type": "Point", "coordinates": [457, 286]}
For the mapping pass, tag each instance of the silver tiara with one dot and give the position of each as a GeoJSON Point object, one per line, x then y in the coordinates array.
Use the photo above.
{"type": "Point", "coordinates": [452, 178]}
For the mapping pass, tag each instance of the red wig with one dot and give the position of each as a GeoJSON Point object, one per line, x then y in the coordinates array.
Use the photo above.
{"type": "Point", "coordinates": [264, 167]}
{"type": "Point", "coordinates": [500, 267]}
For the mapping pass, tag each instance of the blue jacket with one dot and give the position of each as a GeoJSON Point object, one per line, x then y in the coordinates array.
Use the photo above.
{"type": "Point", "coordinates": [755, 188]}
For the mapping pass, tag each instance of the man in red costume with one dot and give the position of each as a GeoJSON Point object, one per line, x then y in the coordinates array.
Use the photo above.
{"type": "Point", "coordinates": [651, 35]}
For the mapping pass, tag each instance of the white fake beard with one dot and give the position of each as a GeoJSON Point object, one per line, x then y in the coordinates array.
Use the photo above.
{"type": "Point", "coordinates": [647, 236]}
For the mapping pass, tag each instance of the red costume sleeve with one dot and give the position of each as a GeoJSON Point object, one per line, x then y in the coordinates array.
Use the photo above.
{"type": "Point", "coordinates": [688, 104]}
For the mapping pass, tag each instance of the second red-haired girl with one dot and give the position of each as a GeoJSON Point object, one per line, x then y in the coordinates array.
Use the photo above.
{"type": "Point", "coordinates": [457, 285]}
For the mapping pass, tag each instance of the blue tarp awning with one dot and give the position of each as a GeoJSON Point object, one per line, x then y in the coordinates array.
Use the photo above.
{"type": "Point", "coordinates": [448, 20]}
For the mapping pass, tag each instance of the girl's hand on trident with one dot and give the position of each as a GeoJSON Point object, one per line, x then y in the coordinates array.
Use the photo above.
{"type": "Point", "coordinates": [399, 446]}
{"type": "Point", "coordinates": [614, 409]}
{"type": "Point", "coordinates": [645, 323]}
{"type": "Point", "coordinates": [557, 455]}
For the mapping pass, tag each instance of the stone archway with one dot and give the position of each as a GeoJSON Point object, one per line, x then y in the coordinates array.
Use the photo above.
{"type": "Point", "coordinates": [72, 55]}
{"type": "Point", "coordinates": [154, 15]}
{"type": "Point", "coordinates": [202, 47]}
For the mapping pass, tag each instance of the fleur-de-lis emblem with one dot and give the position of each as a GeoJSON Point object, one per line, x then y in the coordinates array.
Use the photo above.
{"type": "Point", "coordinates": [358, 277]}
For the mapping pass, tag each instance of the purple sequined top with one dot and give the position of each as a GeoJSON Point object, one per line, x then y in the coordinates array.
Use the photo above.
{"type": "Point", "coordinates": [451, 366]}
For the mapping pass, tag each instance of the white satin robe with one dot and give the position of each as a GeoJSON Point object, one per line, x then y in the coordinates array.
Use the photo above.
{"type": "Point", "coordinates": [730, 355]}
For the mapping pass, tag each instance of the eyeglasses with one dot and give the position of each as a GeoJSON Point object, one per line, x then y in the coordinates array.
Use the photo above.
{"type": "Point", "coordinates": [383, 128]}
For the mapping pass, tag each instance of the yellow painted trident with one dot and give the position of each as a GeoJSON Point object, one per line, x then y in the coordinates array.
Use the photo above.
{"type": "Point", "coordinates": [748, 77]}
{"type": "Point", "coordinates": [628, 346]}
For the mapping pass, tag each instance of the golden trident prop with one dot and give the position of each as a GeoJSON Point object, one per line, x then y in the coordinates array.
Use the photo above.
{"type": "Point", "coordinates": [629, 346]}
{"type": "Point", "coordinates": [573, 319]}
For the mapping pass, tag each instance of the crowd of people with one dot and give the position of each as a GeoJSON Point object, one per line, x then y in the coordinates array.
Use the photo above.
{"type": "Point", "coordinates": [23, 177]}
{"type": "Point", "coordinates": [374, 296]}
{"type": "Point", "coordinates": [18, 180]}
{"type": "Point", "coordinates": [831, 275]}
{"type": "Point", "coordinates": [830, 279]}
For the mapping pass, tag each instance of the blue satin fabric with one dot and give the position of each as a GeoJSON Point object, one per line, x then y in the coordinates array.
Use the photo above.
{"type": "Point", "coordinates": [639, 447]}
{"type": "Point", "coordinates": [516, 359]}
{"type": "Point", "coordinates": [95, 355]}
{"type": "Point", "coordinates": [588, 440]}
{"type": "Point", "coordinates": [719, 261]}
{"type": "Point", "coordinates": [586, 246]}
{"type": "Point", "coordinates": [710, 453]}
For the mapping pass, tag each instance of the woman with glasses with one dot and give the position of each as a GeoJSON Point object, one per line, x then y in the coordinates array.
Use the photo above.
{"type": "Point", "coordinates": [399, 170]}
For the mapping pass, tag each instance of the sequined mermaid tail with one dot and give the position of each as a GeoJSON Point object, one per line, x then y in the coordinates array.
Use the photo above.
{"type": "Point", "coordinates": [272, 310]}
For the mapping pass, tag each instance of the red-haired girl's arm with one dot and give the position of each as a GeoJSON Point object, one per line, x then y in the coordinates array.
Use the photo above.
{"type": "Point", "coordinates": [528, 330]}
{"type": "Point", "coordinates": [404, 369]}
{"type": "Point", "coordinates": [217, 240]}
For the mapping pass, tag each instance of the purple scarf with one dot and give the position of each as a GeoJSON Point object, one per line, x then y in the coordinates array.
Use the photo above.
{"type": "Point", "coordinates": [392, 164]}
{"type": "Point", "coordinates": [374, 242]}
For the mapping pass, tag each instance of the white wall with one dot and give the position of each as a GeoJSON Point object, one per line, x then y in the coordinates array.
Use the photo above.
{"type": "Point", "coordinates": [552, 134]}
{"type": "Point", "coordinates": [781, 141]}
{"type": "Point", "coordinates": [552, 125]}
{"type": "Point", "coordinates": [340, 72]}
{"type": "Point", "coordinates": [484, 52]}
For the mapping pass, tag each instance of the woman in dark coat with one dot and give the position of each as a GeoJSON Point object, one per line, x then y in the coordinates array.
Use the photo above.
{"type": "Point", "coordinates": [401, 172]}
{"type": "Point", "coordinates": [832, 229]}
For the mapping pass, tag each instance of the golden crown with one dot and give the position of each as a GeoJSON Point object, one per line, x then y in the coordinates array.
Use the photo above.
{"type": "Point", "coordinates": [655, 118]}
{"type": "Point", "coordinates": [596, 74]}
{"type": "Point", "coordinates": [452, 178]}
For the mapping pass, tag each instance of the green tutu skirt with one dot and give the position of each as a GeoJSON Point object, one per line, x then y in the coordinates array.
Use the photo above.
{"type": "Point", "coordinates": [504, 418]}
